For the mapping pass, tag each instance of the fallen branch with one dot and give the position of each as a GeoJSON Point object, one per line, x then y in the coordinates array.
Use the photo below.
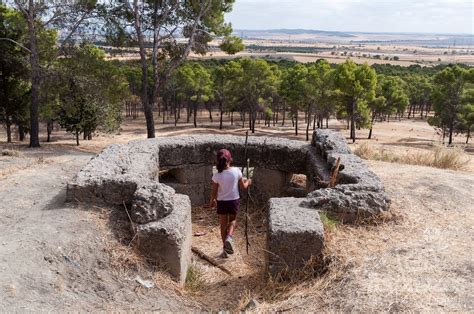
{"type": "Point", "coordinates": [133, 225]}
{"type": "Point", "coordinates": [209, 259]}
{"type": "Point", "coordinates": [335, 172]}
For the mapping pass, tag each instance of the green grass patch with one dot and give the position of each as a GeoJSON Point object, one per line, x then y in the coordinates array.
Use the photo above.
{"type": "Point", "coordinates": [329, 223]}
{"type": "Point", "coordinates": [194, 279]}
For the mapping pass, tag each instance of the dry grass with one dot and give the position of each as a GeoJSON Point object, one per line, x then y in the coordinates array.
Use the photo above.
{"type": "Point", "coordinates": [119, 245]}
{"type": "Point", "coordinates": [194, 280]}
{"type": "Point", "coordinates": [440, 157]}
{"type": "Point", "coordinates": [11, 153]}
{"type": "Point", "coordinates": [320, 284]}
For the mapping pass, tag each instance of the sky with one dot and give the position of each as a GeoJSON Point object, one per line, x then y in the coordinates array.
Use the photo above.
{"type": "Point", "coordinates": [407, 16]}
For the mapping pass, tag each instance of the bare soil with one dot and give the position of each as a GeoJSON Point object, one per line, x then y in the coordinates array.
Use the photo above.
{"type": "Point", "coordinates": [56, 256]}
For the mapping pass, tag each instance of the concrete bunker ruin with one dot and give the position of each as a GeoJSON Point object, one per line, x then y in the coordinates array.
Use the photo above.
{"type": "Point", "coordinates": [130, 174]}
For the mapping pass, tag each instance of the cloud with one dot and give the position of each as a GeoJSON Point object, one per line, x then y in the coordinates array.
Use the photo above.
{"type": "Point", "coordinates": [434, 16]}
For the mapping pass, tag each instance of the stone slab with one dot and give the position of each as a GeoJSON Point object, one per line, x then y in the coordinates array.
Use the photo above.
{"type": "Point", "coordinates": [168, 240]}
{"type": "Point", "coordinates": [295, 235]}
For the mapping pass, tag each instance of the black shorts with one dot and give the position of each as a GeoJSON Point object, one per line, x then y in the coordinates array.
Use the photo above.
{"type": "Point", "coordinates": [228, 207]}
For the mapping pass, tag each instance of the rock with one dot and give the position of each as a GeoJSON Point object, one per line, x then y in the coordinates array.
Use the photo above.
{"type": "Point", "coordinates": [326, 140]}
{"type": "Point", "coordinates": [295, 235]}
{"type": "Point", "coordinates": [346, 204]}
{"type": "Point", "coordinates": [145, 283]}
{"type": "Point", "coordinates": [152, 202]}
{"type": "Point", "coordinates": [168, 240]}
{"type": "Point", "coordinates": [251, 305]}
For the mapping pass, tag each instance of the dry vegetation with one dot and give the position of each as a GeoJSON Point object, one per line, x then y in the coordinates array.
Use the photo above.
{"type": "Point", "coordinates": [440, 157]}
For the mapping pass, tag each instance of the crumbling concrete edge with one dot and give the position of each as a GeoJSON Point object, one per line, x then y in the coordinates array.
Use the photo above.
{"type": "Point", "coordinates": [359, 193]}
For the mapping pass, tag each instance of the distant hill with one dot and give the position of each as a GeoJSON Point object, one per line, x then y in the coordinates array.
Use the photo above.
{"type": "Point", "coordinates": [284, 31]}
{"type": "Point", "coordinates": [311, 35]}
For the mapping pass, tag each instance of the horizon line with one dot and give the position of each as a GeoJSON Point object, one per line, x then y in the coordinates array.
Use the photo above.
{"type": "Point", "coordinates": [353, 32]}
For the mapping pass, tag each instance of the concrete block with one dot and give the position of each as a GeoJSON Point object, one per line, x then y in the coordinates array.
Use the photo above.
{"type": "Point", "coordinates": [295, 235]}
{"type": "Point", "coordinates": [168, 240]}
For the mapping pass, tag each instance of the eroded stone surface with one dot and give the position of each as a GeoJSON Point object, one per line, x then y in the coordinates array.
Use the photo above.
{"type": "Point", "coordinates": [112, 176]}
{"type": "Point", "coordinates": [295, 235]}
{"type": "Point", "coordinates": [168, 240]}
{"type": "Point", "coordinates": [269, 183]}
{"type": "Point", "coordinates": [359, 193]}
{"type": "Point", "coordinates": [152, 202]}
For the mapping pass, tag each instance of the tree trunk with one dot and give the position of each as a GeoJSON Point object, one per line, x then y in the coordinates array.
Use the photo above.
{"type": "Point", "coordinates": [195, 114]}
{"type": "Point", "coordinates": [252, 121]}
{"type": "Point", "coordinates": [188, 112]}
{"type": "Point", "coordinates": [35, 78]}
{"type": "Point", "coordinates": [232, 118]}
{"type": "Point", "coordinates": [146, 102]}
{"type": "Point", "coordinates": [176, 110]}
{"type": "Point", "coordinates": [327, 122]}
{"type": "Point", "coordinates": [353, 136]}
{"type": "Point", "coordinates": [451, 129]}
{"type": "Point", "coordinates": [77, 138]}
{"type": "Point", "coordinates": [371, 125]}
{"type": "Point", "coordinates": [468, 134]}
{"type": "Point", "coordinates": [9, 129]}
{"type": "Point", "coordinates": [49, 129]}
{"type": "Point", "coordinates": [308, 123]}
{"type": "Point", "coordinates": [296, 122]}
{"type": "Point", "coordinates": [221, 116]}
{"type": "Point", "coordinates": [21, 133]}
{"type": "Point", "coordinates": [283, 116]}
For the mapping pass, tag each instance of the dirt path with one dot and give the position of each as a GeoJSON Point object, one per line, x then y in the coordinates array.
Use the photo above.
{"type": "Point", "coordinates": [53, 256]}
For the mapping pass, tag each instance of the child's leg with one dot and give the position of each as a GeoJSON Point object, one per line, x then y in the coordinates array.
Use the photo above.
{"type": "Point", "coordinates": [231, 225]}
{"type": "Point", "coordinates": [224, 220]}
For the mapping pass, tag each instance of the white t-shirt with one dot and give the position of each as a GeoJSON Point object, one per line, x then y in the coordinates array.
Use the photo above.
{"type": "Point", "coordinates": [228, 181]}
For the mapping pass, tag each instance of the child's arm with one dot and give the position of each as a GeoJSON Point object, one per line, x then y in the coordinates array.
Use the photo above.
{"type": "Point", "coordinates": [213, 203]}
{"type": "Point", "coordinates": [244, 184]}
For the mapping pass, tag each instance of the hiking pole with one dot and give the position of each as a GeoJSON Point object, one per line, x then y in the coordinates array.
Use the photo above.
{"type": "Point", "coordinates": [248, 192]}
{"type": "Point", "coordinates": [246, 210]}
{"type": "Point", "coordinates": [245, 150]}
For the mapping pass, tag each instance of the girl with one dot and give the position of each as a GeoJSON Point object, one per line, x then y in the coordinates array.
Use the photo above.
{"type": "Point", "coordinates": [225, 195]}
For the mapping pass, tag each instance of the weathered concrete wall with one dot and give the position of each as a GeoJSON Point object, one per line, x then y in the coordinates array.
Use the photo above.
{"type": "Point", "coordinates": [295, 235]}
{"type": "Point", "coordinates": [359, 193]}
{"type": "Point", "coordinates": [130, 173]}
{"type": "Point", "coordinates": [194, 181]}
{"type": "Point", "coordinates": [269, 183]}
